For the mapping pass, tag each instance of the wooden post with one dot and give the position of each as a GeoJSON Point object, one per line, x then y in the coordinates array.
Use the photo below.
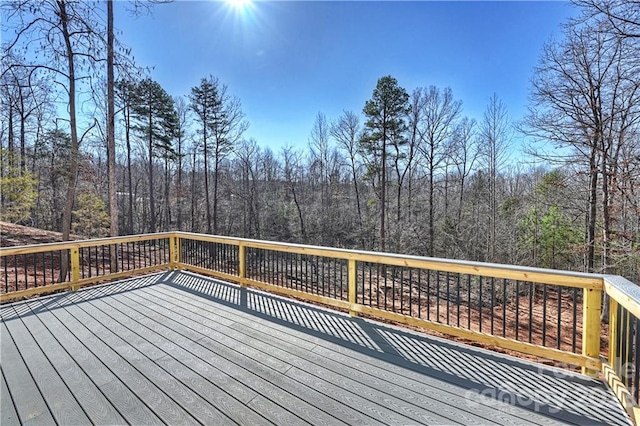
{"type": "Point", "coordinates": [75, 266]}
{"type": "Point", "coordinates": [352, 286]}
{"type": "Point", "coordinates": [173, 252]}
{"type": "Point", "coordinates": [242, 264]}
{"type": "Point", "coordinates": [613, 333]}
{"type": "Point", "coordinates": [592, 306]}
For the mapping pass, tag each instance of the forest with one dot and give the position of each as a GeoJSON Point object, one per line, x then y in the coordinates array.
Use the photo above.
{"type": "Point", "coordinates": [409, 173]}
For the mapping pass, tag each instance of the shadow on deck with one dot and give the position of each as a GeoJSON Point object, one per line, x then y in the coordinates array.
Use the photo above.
{"type": "Point", "coordinates": [180, 348]}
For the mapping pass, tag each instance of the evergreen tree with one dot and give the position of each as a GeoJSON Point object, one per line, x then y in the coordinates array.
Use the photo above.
{"type": "Point", "coordinates": [385, 128]}
{"type": "Point", "coordinates": [223, 124]}
{"type": "Point", "coordinates": [157, 122]}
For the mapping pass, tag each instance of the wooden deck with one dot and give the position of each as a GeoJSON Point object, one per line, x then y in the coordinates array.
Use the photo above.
{"type": "Point", "coordinates": [178, 348]}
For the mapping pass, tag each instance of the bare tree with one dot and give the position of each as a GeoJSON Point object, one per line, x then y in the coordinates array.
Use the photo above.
{"type": "Point", "coordinates": [346, 131]}
{"type": "Point", "coordinates": [623, 16]}
{"type": "Point", "coordinates": [439, 112]}
{"type": "Point", "coordinates": [495, 137]}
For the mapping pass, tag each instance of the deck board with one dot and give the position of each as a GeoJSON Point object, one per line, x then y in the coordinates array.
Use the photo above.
{"type": "Point", "coordinates": [261, 377]}
{"type": "Point", "coordinates": [120, 397]}
{"type": "Point", "coordinates": [29, 403]}
{"type": "Point", "coordinates": [268, 337]}
{"type": "Point", "coordinates": [115, 358]}
{"type": "Point", "coordinates": [180, 348]}
{"type": "Point", "coordinates": [8, 412]}
{"type": "Point", "coordinates": [97, 407]}
{"type": "Point", "coordinates": [371, 402]}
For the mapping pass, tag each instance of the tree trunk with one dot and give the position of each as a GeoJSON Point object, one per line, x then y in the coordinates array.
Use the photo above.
{"type": "Point", "coordinates": [207, 196]}
{"type": "Point", "coordinates": [591, 217]}
{"type": "Point", "coordinates": [127, 134]}
{"type": "Point", "coordinates": [215, 192]}
{"type": "Point", "coordinates": [193, 193]}
{"type": "Point", "coordinates": [75, 144]}
{"type": "Point", "coordinates": [152, 201]}
{"type": "Point", "coordinates": [111, 141]}
{"type": "Point", "coordinates": [383, 192]}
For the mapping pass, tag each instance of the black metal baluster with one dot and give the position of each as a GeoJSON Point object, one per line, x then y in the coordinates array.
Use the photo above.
{"type": "Point", "coordinates": [393, 289]}
{"type": "Point", "coordinates": [458, 298]}
{"type": "Point", "coordinates": [559, 315]}
{"type": "Point", "coordinates": [6, 274]}
{"type": "Point", "coordinates": [504, 307]}
{"type": "Point", "coordinates": [469, 302]}
{"type": "Point", "coordinates": [480, 306]}
{"type": "Point", "coordinates": [278, 267]}
{"type": "Point", "coordinates": [104, 260]}
{"type": "Point", "coordinates": [15, 270]}
{"type": "Point", "coordinates": [411, 291]}
{"type": "Point", "coordinates": [44, 269]}
{"type": "Point", "coordinates": [371, 286]}
{"type": "Point", "coordinates": [35, 270]}
{"type": "Point", "coordinates": [438, 296]}
{"type": "Point", "coordinates": [574, 326]}
{"type": "Point", "coordinates": [492, 301]}
{"type": "Point", "coordinates": [53, 277]}
{"type": "Point", "coordinates": [532, 294]}
{"type": "Point", "coordinates": [81, 251]}
{"type": "Point", "coordinates": [428, 294]}
{"type": "Point", "coordinates": [636, 364]}
{"type": "Point", "coordinates": [26, 274]}
{"type": "Point", "coordinates": [448, 295]}
{"type": "Point", "coordinates": [544, 315]}
{"type": "Point", "coordinates": [518, 310]}
{"type": "Point", "coordinates": [307, 279]}
{"type": "Point", "coordinates": [377, 285]}
{"type": "Point", "coordinates": [419, 293]}
{"type": "Point", "coordinates": [342, 286]}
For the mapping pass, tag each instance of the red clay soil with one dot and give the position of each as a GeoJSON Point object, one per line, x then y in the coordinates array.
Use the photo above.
{"type": "Point", "coordinates": [12, 235]}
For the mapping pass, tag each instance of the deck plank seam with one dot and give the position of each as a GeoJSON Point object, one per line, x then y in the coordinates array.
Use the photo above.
{"type": "Point", "coordinates": [106, 366]}
{"type": "Point", "coordinates": [151, 380]}
{"type": "Point", "coordinates": [155, 360]}
{"type": "Point", "coordinates": [408, 389]}
{"type": "Point", "coordinates": [13, 403]}
{"type": "Point", "coordinates": [391, 395]}
{"type": "Point", "coordinates": [38, 386]}
{"type": "Point", "coordinates": [318, 346]}
{"type": "Point", "coordinates": [156, 288]}
{"type": "Point", "coordinates": [57, 371]}
{"type": "Point", "coordinates": [232, 361]}
{"type": "Point", "coordinates": [73, 360]}
{"type": "Point", "coordinates": [166, 354]}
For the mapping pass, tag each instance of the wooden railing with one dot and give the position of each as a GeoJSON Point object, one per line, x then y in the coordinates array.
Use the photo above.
{"type": "Point", "coordinates": [544, 313]}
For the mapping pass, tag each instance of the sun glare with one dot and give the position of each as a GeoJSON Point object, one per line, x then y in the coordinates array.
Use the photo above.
{"type": "Point", "coordinates": [238, 4]}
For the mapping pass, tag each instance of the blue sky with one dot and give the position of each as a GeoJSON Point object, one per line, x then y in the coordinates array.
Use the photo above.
{"type": "Point", "coordinates": [288, 60]}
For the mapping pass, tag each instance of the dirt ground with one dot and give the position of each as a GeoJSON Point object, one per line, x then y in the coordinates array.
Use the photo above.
{"type": "Point", "coordinates": [17, 235]}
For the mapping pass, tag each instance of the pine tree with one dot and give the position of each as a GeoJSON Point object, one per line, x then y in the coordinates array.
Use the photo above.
{"type": "Point", "coordinates": [157, 122]}
{"type": "Point", "coordinates": [385, 128]}
{"type": "Point", "coordinates": [223, 124]}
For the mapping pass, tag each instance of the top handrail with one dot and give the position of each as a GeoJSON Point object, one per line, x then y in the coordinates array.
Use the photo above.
{"type": "Point", "coordinates": [36, 248]}
{"type": "Point", "coordinates": [522, 273]}
{"type": "Point", "coordinates": [624, 291]}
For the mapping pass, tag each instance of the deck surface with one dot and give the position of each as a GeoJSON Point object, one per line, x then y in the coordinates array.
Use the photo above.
{"type": "Point", "coordinates": [178, 348]}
